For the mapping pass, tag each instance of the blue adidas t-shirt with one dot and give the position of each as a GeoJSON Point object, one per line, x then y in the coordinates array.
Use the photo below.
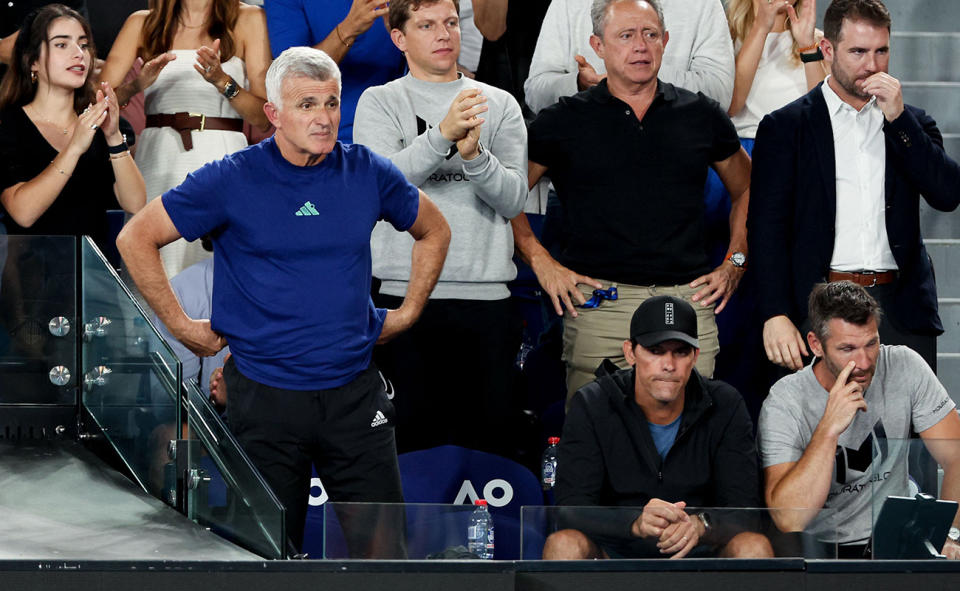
{"type": "Point", "coordinates": [292, 280]}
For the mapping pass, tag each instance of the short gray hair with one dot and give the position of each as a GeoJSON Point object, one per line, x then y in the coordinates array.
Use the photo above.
{"type": "Point", "coordinates": [598, 14]}
{"type": "Point", "coordinates": [299, 61]}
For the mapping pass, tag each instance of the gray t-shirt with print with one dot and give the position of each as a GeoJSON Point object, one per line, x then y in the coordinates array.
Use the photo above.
{"type": "Point", "coordinates": [871, 460]}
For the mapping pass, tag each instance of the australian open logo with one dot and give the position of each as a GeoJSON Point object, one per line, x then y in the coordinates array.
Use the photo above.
{"type": "Point", "coordinates": [668, 313]}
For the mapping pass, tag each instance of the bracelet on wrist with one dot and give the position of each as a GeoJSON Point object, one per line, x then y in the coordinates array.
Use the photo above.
{"type": "Point", "coordinates": [119, 148]}
{"type": "Point", "coordinates": [807, 48]}
{"type": "Point", "coordinates": [816, 56]}
{"type": "Point", "coordinates": [231, 89]}
{"type": "Point", "coordinates": [120, 156]}
{"type": "Point", "coordinates": [58, 169]}
{"type": "Point", "coordinates": [340, 37]}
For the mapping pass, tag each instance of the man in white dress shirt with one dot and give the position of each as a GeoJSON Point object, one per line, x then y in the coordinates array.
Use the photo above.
{"type": "Point", "coordinates": [837, 179]}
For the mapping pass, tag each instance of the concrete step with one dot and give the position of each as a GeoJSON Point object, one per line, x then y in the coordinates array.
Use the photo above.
{"type": "Point", "coordinates": [938, 99]}
{"type": "Point", "coordinates": [949, 341]}
{"type": "Point", "coordinates": [925, 57]}
{"type": "Point", "coordinates": [948, 370]}
{"type": "Point", "coordinates": [946, 263]}
{"type": "Point", "coordinates": [938, 224]}
{"type": "Point", "coordinates": [914, 15]}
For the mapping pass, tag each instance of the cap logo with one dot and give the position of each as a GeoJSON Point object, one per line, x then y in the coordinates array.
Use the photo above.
{"type": "Point", "coordinates": [668, 313]}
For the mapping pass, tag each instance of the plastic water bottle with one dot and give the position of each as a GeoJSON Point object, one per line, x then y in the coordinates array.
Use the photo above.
{"type": "Point", "coordinates": [548, 464]}
{"type": "Point", "coordinates": [480, 532]}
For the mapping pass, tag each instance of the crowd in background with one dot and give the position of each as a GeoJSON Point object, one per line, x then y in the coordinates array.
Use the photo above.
{"type": "Point", "coordinates": [196, 70]}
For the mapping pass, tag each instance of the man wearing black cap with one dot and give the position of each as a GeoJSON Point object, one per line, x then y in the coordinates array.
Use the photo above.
{"type": "Point", "coordinates": [661, 437]}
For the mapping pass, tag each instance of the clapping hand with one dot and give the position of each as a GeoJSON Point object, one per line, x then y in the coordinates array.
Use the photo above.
{"type": "Point", "coordinates": [151, 70]}
{"type": "Point", "coordinates": [587, 77]}
{"type": "Point", "coordinates": [208, 65]}
{"type": "Point", "coordinates": [89, 122]}
{"type": "Point", "coordinates": [111, 122]}
{"type": "Point", "coordinates": [803, 25]}
{"type": "Point", "coordinates": [463, 115]}
{"type": "Point", "coordinates": [469, 146]}
{"type": "Point", "coordinates": [361, 16]}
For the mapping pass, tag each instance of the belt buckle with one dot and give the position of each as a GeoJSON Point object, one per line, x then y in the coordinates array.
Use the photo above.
{"type": "Point", "coordinates": [203, 119]}
{"type": "Point", "coordinates": [870, 274]}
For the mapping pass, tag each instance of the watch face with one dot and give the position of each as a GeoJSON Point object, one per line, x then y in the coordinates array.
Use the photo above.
{"type": "Point", "coordinates": [739, 259]}
{"type": "Point", "coordinates": [954, 534]}
{"type": "Point", "coordinates": [231, 89]}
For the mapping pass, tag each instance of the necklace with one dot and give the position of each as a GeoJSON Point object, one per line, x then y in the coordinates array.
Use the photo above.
{"type": "Point", "coordinates": [37, 115]}
{"type": "Point", "coordinates": [184, 24]}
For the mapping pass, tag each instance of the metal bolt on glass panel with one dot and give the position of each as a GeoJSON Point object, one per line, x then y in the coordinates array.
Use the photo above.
{"type": "Point", "coordinates": [59, 326]}
{"type": "Point", "coordinates": [96, 328]}
{"type": "Point", "coordinates": [96, 377]}
{"type": "Point", "coordinates": [59, 375]}
{"type": "Point", "coordinates": [136, 403]}
{"type": "Point", "coordinates": [225, 492]}
{"type": "Point", "coordinates": [38, 299]}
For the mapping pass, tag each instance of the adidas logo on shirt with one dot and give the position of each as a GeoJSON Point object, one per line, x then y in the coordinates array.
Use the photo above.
{"type": "Point", "coordinates": [378, 419]}
{"type": "Point", "coordinates": [308, 209]}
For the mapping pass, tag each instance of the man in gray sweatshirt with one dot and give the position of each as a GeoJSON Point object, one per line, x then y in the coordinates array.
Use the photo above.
{"type": "Point", "coordinates": [464, 142]}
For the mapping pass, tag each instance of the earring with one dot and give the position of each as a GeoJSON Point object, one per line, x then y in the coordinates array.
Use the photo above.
{"type": "Point", "coordinates": [33, 76]}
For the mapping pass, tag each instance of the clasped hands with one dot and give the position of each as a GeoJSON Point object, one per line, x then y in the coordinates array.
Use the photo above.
{"type": "Point", "coordinates": [677, 532]}
{"type": "Point", "coordinates": [462, 122]}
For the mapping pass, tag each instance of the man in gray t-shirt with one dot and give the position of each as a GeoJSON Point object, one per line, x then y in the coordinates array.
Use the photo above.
{"type": "Point", "coordinates": [827, 433]}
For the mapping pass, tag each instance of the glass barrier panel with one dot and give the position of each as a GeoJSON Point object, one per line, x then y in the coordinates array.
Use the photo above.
{"type": "Point", "coordinates": [130, 376]}
{"type": "Point", "coordinates": [902, 483]}
{"type": "Point", "coordinates": [710, 532]}
{"type": "Point", "coordinates": [38, 320]}
{"type": "Point", "coordinates": [397, 531]}
{"type": "Point", "coordinates": [224, 491]}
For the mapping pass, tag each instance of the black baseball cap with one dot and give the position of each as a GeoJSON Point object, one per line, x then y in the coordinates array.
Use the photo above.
{"type": "Point", "coordinates": [664, 318]}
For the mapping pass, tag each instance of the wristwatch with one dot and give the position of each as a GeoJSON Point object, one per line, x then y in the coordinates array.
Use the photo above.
{"type": "Point", "coordinates": [954, 534]}
{"type": "Point", "coordinates": [816, 56]}
{"type": "Point", "coordinates": [231, 90]}
{"type": "Point", "coordinates": [738, 259]}
{"type": "Point", "coordinates": [705, 520]}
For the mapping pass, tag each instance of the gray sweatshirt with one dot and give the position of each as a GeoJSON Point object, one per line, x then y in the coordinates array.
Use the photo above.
{"type": "Point", "coordinates": [478, 198]}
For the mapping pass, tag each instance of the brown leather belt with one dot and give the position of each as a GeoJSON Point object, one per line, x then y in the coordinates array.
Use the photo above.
{"type": "Point", "coordinates": [184, 123]}
{"type": "Point", "coordinates": [864, 278]}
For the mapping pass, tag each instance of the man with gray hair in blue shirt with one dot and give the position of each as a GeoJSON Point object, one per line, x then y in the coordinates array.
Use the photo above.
{"type": "Point", "coordinates": [291, 219]}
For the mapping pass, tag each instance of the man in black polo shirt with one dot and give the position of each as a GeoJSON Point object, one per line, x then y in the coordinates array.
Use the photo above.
{"type": "Point", "coordinates": [629, 158]}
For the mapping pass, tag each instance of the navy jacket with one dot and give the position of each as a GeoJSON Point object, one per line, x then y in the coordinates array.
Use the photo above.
{"type": "Point", "coordinates": [793, 195]}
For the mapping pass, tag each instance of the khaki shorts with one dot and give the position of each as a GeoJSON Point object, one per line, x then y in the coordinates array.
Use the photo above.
{"type": "Point", "coordinates": [598, 333]}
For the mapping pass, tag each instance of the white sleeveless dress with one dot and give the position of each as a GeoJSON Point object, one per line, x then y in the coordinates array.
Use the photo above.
{"type": "Point", "coordinates": [161, 157]}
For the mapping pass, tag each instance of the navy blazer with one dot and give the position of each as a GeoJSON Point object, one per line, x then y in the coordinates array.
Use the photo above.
{"type": "Point", "coordinates": [793, 196]}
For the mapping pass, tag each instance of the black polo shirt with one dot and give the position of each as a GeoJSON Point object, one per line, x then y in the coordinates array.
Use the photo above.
{"type": "Point", "coordinates": [632, 191]}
